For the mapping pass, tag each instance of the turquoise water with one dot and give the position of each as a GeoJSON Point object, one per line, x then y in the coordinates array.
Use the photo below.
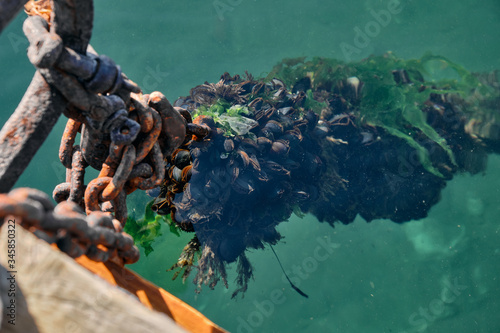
{"type": "Point", "coordinates": [439, 274]}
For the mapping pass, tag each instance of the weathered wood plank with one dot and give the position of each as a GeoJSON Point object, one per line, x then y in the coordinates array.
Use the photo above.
{"type": "Point", "coordinates": [64, 297]}
{"type": "Point", "coordinates": [152, 296]}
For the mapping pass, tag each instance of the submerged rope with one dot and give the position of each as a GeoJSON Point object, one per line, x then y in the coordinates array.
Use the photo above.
{"type": "Point", "coordinates": [291, 283]}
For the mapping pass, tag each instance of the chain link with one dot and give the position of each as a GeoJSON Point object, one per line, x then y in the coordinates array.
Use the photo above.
{"type": "Point", "coordinates": [123, 133]}
{"type": "Point", "coordinates": [97, 235]}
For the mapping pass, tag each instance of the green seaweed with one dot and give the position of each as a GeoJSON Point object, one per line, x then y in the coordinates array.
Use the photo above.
{"type": "Point", "coordinates": [311, 103]}
{"type": "Point", "coordinates": [146, 230]}
{"type": "Point", "coordinates": [298, 212]}
{"type": "Point", "coordinates": [231, 118]}
{"type": "Point", "coordinates": [395, 107]}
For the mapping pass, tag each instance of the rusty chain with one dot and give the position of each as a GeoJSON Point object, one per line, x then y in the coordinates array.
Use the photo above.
{"type": "Point", "coordinates": [124, 134]}
{"type": "Point", "coordinates": [97, 235]}
{"type": "Point", "coordinates": [127, 166]}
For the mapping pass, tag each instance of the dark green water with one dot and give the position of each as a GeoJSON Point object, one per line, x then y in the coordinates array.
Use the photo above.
{"type": "Point", "coordinates": [440, 274]}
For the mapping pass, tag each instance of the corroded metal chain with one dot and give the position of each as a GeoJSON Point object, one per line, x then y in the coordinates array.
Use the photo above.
{"type": "Point", "coordinates": [124, 134]}
{"type": "Point", "coordinates": [97, 235]}
{"type": "Point", "coordinates": [127, 167]}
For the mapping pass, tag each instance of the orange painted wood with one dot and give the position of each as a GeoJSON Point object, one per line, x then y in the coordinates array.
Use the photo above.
{"type": "Point", "coordinates": [152, 296]}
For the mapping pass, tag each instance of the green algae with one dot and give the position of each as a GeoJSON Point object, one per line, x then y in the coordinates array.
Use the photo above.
{"type": "Point", "coordinates": [395, 107]}
{"type": "Point", "coordinates": [231, 118]}
{"type": "Point", "coordinates": [145, 230]}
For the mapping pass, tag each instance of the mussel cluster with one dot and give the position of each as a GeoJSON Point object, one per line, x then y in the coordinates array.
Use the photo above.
{"type": "Point", "coordinates": [381, 173]}
{"type": "Point", "coordinates": [382, 177]}
{"type": "Point", "coordinates": [233, 190]}
{"type": "Point", "coordinates": [302, 149]}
